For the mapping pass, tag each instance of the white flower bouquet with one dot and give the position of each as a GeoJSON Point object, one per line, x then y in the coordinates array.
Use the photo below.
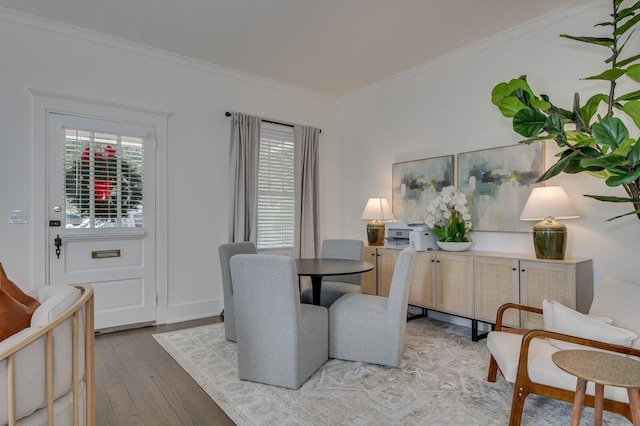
{"type": "Point", "coordinates": [448, 215]}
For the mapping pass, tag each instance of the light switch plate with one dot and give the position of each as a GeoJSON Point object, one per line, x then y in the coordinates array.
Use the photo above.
{"type": "Point", "coordinates": [18, 216]}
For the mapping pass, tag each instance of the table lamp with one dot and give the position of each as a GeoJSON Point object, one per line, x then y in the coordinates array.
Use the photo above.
{"type": "Point", "coordinates": [376, 211]}
{"type": "Point", "coordinates": [547, 204]}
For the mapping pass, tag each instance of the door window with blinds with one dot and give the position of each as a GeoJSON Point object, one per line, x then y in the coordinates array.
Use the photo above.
{"type": "Point", "coordinates": [276, 196]}
{"type": "Point", "coordinates": [104, 175]}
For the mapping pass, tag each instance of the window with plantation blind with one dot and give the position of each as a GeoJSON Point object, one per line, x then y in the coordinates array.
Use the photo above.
{"type": "Point", "coordinates": [276, 197]}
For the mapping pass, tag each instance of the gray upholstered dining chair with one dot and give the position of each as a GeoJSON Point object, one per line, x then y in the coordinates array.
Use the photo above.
{"type": "Point", "coordinates": [369, 328]}
{"type": "Point", "coordinates": [334, 287]}
{"type": "Point", "coordinates": [281, 342]}
{"type": "Point", "coordinates": [226, 251]}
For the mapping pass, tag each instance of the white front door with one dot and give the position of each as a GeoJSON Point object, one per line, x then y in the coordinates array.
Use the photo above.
{"type": "Point", "coordinates": [101, 215]}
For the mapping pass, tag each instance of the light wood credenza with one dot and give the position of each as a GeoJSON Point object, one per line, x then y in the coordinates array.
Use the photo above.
{"type": "Point", "coordinates": [474, 284]}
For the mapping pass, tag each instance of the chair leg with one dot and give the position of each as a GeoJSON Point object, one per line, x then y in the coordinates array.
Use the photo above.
{"type": "Point", "coordinates": [517, 405]}
{"type": "Point", "coordinates": [493, 370]}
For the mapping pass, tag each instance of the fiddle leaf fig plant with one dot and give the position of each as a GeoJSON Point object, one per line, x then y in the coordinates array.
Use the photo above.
{"type": "Point", "coordinates": [592, 139]}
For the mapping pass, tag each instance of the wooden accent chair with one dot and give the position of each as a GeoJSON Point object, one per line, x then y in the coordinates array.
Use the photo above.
{"type": "Point", "coordinates": [47, 370]}
{"type": "Point", "coordinates": [524, 356]}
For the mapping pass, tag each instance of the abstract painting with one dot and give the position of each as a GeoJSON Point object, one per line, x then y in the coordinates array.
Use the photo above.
{"type": "Point", "coordinates": [497, 182]}
{"type": "Point", "coordinates": [416, 183]}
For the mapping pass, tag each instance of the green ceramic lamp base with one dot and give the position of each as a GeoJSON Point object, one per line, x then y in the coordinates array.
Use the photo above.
{"type": "Point", "coordinates": [549, 239]}
{"type": "Point", "coordinates": [375, 233]}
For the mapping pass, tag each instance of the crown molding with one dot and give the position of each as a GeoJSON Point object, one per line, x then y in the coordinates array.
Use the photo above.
{"type": "Point", "coordinates": [518, 31]}
{"type": "Point", "coordinates": [44, 24]}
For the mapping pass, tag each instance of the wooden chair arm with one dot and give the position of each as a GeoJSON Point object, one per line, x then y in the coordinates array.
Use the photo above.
{"type": "Point", "coordinates": [85, 301]}
{"type": "Point", "coordinates": [502, 309]}
{"type": "Point", "coordinates": [523, 362]}
{"type": "Point", "coordinates": [87, 295]}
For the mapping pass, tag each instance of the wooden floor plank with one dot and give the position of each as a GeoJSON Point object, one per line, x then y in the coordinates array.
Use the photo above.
{"type": "Point", "coordinates": [139, 383]}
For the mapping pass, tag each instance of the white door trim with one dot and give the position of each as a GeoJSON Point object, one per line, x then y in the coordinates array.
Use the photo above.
{"type": "Point", "coordinates": [45, 102]}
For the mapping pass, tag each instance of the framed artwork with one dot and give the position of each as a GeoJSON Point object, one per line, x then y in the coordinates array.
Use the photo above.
{"type": "Point", "coordinates": [416, 183]}
{"type": "Point", "coordinates": [497, 183]}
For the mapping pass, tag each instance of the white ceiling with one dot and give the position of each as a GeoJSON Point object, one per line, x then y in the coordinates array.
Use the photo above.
{"type": "Point", "coordinates": [329, 46]}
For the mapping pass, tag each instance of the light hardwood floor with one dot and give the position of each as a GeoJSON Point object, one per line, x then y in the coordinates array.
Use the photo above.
{"type": "Point", "coordinates": [138, 383]}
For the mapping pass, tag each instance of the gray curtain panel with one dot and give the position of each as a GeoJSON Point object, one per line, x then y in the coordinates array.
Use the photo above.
{"type": "Point", "coordinates": [307, 192]}
{"type": "Point", "coordinates": [243, 177]}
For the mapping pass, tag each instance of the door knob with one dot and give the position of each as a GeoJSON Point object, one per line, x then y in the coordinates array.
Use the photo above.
{"type": "Point", "coordinates": [57, 209]}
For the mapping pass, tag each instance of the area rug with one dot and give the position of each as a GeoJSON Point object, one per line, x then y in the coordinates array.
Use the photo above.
{"type": "Point", "coordinates": [441, 381]}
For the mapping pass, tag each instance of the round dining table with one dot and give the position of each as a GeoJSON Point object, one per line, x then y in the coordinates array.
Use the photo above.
{"type": "Point", "coordinates": [317, 268]}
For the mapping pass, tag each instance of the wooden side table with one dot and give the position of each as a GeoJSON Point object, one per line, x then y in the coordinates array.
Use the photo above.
{"type": "Point", "coordinates": [601, 368]}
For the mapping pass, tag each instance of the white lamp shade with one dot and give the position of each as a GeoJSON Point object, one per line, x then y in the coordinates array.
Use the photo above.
{"type": "Point", "coordinates": [377, 209]}
{"type": "Point", "coordinates": [548, 201]}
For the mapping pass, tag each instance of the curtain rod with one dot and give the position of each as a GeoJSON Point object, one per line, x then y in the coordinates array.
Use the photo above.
{"type": "Point", "coordinates": [228, 114]}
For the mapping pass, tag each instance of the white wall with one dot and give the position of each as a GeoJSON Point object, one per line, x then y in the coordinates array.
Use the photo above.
{"type": "Point", "coordinates": [443, 107]}
{"type": "Point", "coordinates": [47, 56]}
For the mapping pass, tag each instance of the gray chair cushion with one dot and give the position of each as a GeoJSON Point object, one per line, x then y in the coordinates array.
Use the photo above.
{"type": "Point", "coordinates": [226, 252]}
{"type": "Point", "coordinates": [280, 341]}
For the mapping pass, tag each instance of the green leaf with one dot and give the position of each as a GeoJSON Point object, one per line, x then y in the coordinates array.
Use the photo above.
{"type": "Point", "coordinates": [554, 124]}
{"type": "Point", "coordinates": [621, 179]}
{"type": "Point", "coordinates": [634, 154]}
{"type": "Point", "coordinates": [636, 212]}
{"type": "Point", "coordinates": [499, 92]}
{"type": "Point", "coordinates": [608, 75]}
{"type": "Point", "coordinates": [523, 96]}
{"type": "Point", "coordinates": [612, 199]}
{"type": "Point", "coordinates": [577, 113]}
{"type": "Point", "coordinates": [617, 170]}
{"type": "Point", "coordinates": [575, 164]}
{"type": "Point", "coordinates": [623, 149]}
{"type": "Point", "coordinates": [460, 229]}
{"type": "Point", "coordinates": [631, 96]}
{"type": "Point", "coordinates": [629, 11]}
{"type": "Point", "coordinates": [579, 139]}
{"type": "Point", "coordinates": [510, 106]}
{"type": "Point", "coordinates": [606, 161]}
{"type": "Point", "coordinates": [540, 104]}
{"type": "Point", "coordinates": [627, 26]}
{"type": "Point", "coordinates": [558, 167]}
{"type": "Point", "coordinates": [589, 152]}
{"type": "Point", "coordinates": [520, 89]}
{"type": "Point", "coordinates": [633, 72]}
{"type": "Point", "coordinates": [627, 61]}
{"type": "Point", "coordinates": [529, 141]}
{"type": "Point", "coordinates": [632, 109]}
{"type": "Point", "coordinates": [503, 90]}
{"type": "Point", "coordinates": [560, 139]}
{"type": "Point", "coordinates": [563, 113]}
{"type": "Point", "coordinates": [591, 107]}
{"type": "Point", "coordinates": [600, 41]}
{"type": "Point", "coordinates": [602, 174]}
{"type": "Point", "coordinates": [611, 132]}
{"type": "Point", "coordinates": [528, 122]}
